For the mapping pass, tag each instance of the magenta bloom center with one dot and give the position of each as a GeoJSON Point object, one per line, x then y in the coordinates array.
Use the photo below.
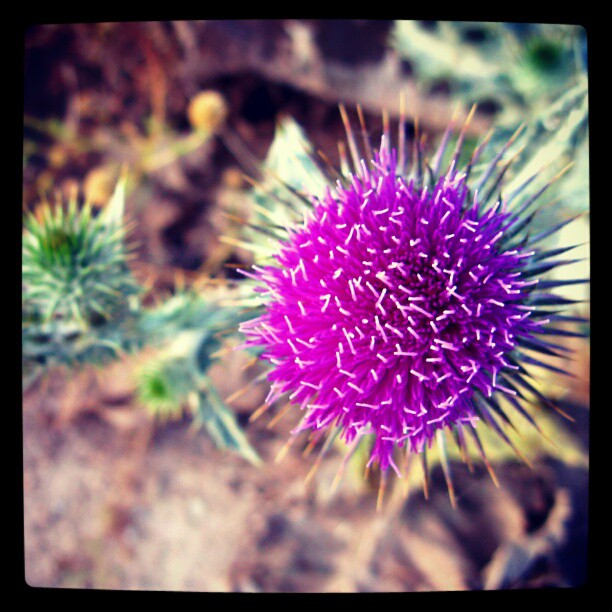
{"type": "Point", "coordinates": [390, 308]}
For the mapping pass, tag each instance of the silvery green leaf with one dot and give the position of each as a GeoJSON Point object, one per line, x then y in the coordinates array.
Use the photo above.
{"type": "Point", "coordinates": [289, 161]}
{"type": "Point", "coordinates": [441, 53]}
{"type": "Point", "coordinates": [186, 311]}
{"type": "Point", "coordinates": [518, 69]}
{"type": "Point", "coordinates": [221, 425]}
{"type": "Point", "coordinates": [114, 210]}
{"type": "Point", "coordinates": [290, 157]}
{"type": "Point", "coordinates": [556, 135]}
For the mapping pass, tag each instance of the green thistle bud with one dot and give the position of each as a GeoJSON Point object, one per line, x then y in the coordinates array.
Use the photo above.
{"type": "Point", "coordinates": [163, 386]}
{"type": "Point", "coordinates": [76, 284]}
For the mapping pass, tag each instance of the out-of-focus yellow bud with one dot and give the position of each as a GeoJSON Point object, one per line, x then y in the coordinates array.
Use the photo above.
{"type": "Point", "coordinates": [99, 184]}
{"type": "Point", "coordinates": [207, 111]}
{"type": "Point", "coordinates": [57, 156]}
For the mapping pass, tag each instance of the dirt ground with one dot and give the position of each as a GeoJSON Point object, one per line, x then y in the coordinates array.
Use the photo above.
{"type": "Point", "coordinates": [113, 500]}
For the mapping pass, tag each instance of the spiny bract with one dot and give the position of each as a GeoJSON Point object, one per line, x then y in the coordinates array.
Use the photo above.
{"type": "Point", "coordinates": [77, 288]}
{"type": "Point", "coordinates": [404, 304]}
{"type": "Point", "coordinates": [74, 264]}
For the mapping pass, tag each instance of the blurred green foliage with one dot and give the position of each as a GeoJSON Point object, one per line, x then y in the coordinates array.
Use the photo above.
{"type": "Point", "coordinates": [512, 69]}
{"type": "Point", "coordinates": [78, 293]}
{"type": "Point", "coordinates": [81, 305]}
{"type": "Point", "coordinates": [524, 74]}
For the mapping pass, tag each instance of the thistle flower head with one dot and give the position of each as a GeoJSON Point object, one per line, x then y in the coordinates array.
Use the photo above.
{"type": "Point", "coordinates": [76, 281]}
{"type": "Point", "coordinates": [74, 264]}
{"type": "Point", "coordinates": [401, 307]}
{"type": "Point", "coordinates": [163, 386]}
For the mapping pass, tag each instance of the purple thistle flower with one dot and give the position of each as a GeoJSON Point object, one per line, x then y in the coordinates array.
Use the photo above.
{"type": "Point", "coordinates": [401, 308]}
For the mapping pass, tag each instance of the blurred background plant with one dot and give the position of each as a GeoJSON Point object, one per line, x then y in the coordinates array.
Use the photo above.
{"type": "Point", "coordinates": [77, 288]}
{"type": "Point", "coordinates": [521, 74]}
{"type": "Point", "coordinates": [82, 307]}
{"type": "Point", "coordinates": [509, 69]}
